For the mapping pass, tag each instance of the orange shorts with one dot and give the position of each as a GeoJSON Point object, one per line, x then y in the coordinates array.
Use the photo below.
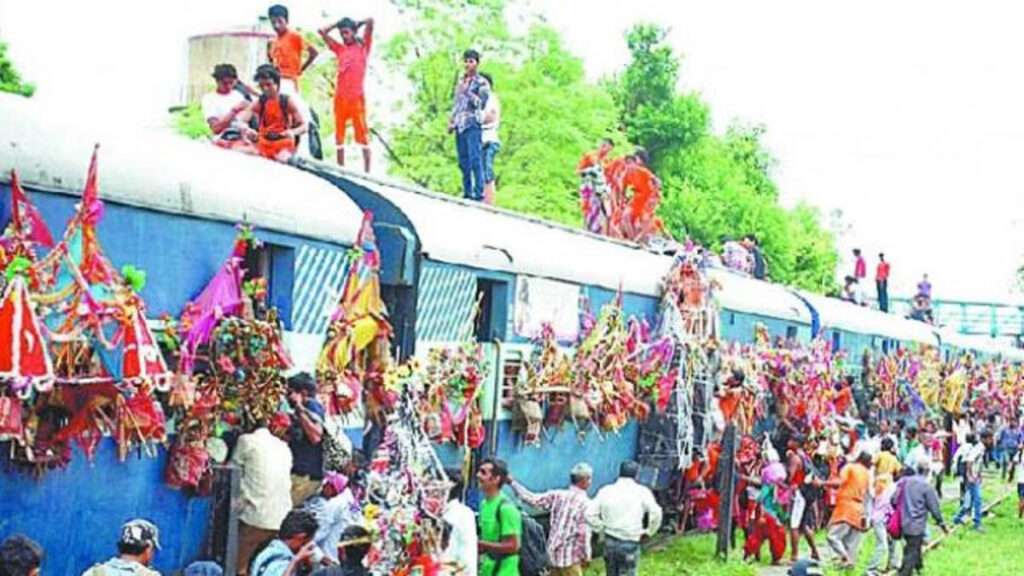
{"type": "Point", "coordinates": [273, 148]}
{"type": "Point", "coordinates": [353, 111]}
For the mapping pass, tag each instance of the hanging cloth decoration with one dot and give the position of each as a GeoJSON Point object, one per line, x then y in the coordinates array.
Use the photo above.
{"type": "Point", "coordinates": [24, 359]}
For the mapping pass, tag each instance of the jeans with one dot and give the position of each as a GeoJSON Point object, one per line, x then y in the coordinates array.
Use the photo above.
{"type": "Point", "coordinates": [885, 547]}
{"type": "Point", "coordinates": [470, 150]}
{"type": "Point", "coordinates": [844, 541]}
{"type": "Point", "coordinates": [621, 557]}
{"type": "Point", "coordinates": [883, 294]}
{"type": "Point", "coordinates": [491, 150]}
{"type": "Point", "coordinates": [970, 503]}
{"type": "Point", "coordinates": [911, 554]}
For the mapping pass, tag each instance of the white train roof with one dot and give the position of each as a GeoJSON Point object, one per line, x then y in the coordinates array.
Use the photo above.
{"type": "Point", "coordinates": [741, 293]}
{"type": "Point", "coordinates": [456, 231]}
{"type": "Point", "coordinates": [842, 315]}
{"type": "Point", "coordinates": [166, 172]}
{"type": "Point", "coordinates": [974, 342]}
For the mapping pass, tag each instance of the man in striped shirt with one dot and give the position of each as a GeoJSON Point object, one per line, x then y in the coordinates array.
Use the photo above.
{"type": "Point", "coordinates": [569, 536]}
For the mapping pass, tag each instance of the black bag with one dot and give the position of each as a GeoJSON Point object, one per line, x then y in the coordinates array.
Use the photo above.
{"type": "Point", "coordinates": [533, 545]}
{"type": "Point", "coordinates": [316, 147]}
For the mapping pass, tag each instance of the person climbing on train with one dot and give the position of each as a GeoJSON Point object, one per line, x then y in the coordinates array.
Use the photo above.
{"type": "Point", "coordinates": [305, 438]}
{"type": "Point", "coordinates": [471, 96]}
{"type": "Point", "coordinates": [352, 54]}
{"type": "Point", "coordinates": [278, 118]}
{"type": "Point", "coordinates": [136, 549]}
{"type": "Point", "coordinates": [222, 109]}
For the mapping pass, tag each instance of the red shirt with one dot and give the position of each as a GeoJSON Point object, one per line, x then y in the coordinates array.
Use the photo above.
{"type": "Point", "coordinates": [351, 66]}
{"type": "Point", "coordinates": [860, 270]}
{"type": "Point", "coordinates": [882, 271]}
{"type": "Point", "coordinates": [286, 53]}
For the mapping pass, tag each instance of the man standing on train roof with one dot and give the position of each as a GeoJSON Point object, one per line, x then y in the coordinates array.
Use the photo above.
{"type": "Point", "coordinates": [285, 51]}
{"type": "Point", "coordinates": [278, 117]}
{"type": "Point", "coordinates": [639, 216]}
{"type": "Point", "coordinates": [860, 267]}
{"type": "Point", "coordinates": [349, 97]}
{"type": "Point", "coordinates": [882, 282]}
{"type": "Point", "coordinates": [222, 107]}
{"type": "Point", "coordinates": [471, 96]}
{"type": "Point", "coordinates": [760, 269]}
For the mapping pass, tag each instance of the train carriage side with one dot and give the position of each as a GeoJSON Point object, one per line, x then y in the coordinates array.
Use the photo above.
{"type": "Point", "coordinates": [857, 329]}
{"type": "Point", "coordinates": [525, 271]}
{"type": "Point", "coordinates": [170, 209]}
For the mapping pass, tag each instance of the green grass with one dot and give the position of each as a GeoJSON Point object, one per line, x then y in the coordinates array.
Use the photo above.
{"type": "Point", "coordinates": [684, 556]}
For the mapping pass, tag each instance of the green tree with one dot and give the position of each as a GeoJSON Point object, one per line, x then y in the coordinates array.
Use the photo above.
{"type": "Point", "coordinates": [10, 80]}
{"type": "Point", "coordinates": [654, 114]}
{"type": "Point", "coordinates": [550, 113]}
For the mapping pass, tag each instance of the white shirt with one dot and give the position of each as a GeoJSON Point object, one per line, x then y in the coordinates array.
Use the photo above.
{"type": "Point", "coordinates": [490, 129]}
{"type": "Point", "coordinates": [265, 462]}
{"type": "Point", "coordinates": [217, 105]}
{"type": "Point", "coordinates": [332, 517]}
{"type": "Point", "coordinates": [462, 544]}
{"type": "Point", "coordinates": [619, 510]}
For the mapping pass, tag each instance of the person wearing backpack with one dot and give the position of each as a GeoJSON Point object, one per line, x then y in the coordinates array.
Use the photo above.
{"type": "Point", "coordinates": [626, 513]}
{"type": "Point", "coordinates": [916, 499]}
{"type": "Point", "coordinates": [500, 522]}
{"type": "Point", "coordinates": [568, 544]}
{"type": "Point", "coordinates": [279, 121]}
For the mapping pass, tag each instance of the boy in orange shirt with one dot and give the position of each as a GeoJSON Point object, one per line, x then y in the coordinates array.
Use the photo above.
{"type": "Point", "coordinates": [349, 97]}
{"type": "Point", "coordinates": [279, 119]}
{"type": "Point", "coordinates": [285, 51]}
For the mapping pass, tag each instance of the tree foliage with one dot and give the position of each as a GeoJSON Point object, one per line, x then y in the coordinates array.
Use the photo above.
{"type": "Point", "coordinates": [550, 113]}
{"type": "Point", "coordinates": [10, 80]}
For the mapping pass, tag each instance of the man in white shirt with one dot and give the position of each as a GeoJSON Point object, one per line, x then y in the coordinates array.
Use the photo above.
{"type": "Point", "coordinates": [221, 109]}
{"type": "Point", "coordinates": [335, 508]}
{"type": "Point", "coordinates": [265, 464]}
{"type": "Point", "coordinates": [461, 549]}
{"type": "Point", "coordinates": [626, 513]}
{"type": "Point", "coordinates": [489, 136]}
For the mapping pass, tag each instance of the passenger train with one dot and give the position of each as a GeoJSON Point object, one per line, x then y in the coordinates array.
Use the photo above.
{"type": "Point", "coordinates": [171, 209]}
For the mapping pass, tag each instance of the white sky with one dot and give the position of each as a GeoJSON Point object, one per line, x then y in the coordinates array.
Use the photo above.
{"type": "Point", "coordinates": [905, 115]}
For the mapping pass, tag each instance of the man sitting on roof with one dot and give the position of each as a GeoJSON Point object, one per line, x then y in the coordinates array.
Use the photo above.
{"type": "Point", "coordinates": [222, 108]}
{"type": "Point", "coordinates": [278, 118]}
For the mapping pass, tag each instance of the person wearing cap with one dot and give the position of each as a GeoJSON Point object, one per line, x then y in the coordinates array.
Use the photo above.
{"type": "Point", "coordinates": [471, 96]}
{"type": "Point", "coordinates": [291, 553]}
{"type": "Point", "coordinates": [569, 534]}
{"type": "Point", "coordinates": [335, 508]}
{"type": "Point", "coordinates": [264, 462]}
{"type": "Point", "coordinates": [279, 120]}
{"type": "Point", "coordinates": [222, 109]}
{"type": "Point", "coordinates": [20, 556]}
{"type": "Point", "coordinates": [136, 548]}
{"type": "Point", "coordinates": [305, 437]}
{"type": "Point", "coordinates": [352, 54]}
{"type": "Point", "coordinates": [353, 547]}
{"type": "Point", "coordinates": [626, 513]}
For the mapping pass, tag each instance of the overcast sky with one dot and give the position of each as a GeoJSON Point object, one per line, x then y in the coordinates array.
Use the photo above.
{"type": "Point", "coordinates": [906, 115]}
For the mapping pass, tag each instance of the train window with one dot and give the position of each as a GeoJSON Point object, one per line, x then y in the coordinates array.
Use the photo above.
{"type": "Point", "coordinates": [732, 318]}
{"type": "Point", "coordinates": [510, 373]}
{"type": "Point", "coordinates": [492, 310]}
{"type": "Point", "coordinates": [886, 344]}
{"type": "Point", "coordinates": [791, 333]}
{"type": "Point", "coordinates": [275, 264]}
{"type": "Point", "coordinates": [836, 340]}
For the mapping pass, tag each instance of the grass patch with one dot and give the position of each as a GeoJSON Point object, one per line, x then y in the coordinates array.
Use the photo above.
{"type": "Point", "coordinates": [684, 556]}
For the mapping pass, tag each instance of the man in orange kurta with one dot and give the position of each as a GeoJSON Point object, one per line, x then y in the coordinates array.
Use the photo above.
{"type": "Point", "coordinates": [848, 522]}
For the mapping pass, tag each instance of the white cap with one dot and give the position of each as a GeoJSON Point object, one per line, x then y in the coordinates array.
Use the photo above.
{"type": "Point", "coordinates": [582, 470]}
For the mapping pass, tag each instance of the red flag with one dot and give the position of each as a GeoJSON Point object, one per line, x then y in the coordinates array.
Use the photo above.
{"type": "Point", "coordinates": [94, 265]}
{"type": "Point", "coordinates": [22, 209]}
